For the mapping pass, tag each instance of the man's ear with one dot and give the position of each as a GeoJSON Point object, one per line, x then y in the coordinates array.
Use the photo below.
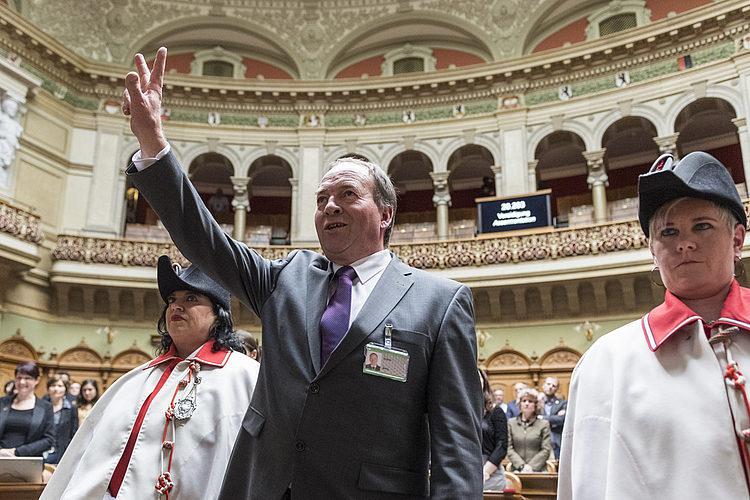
{"type": "Point", "coordinates": [386, 215]}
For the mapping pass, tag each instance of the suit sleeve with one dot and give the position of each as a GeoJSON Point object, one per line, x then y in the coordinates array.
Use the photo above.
{"type": "Point", "coordinates": [243, 272]}
{"type": "Point", "coordinates": [515, 459]}
{"type": "Point", "coordinates": [556, 422]}
{"type": "Point", "coordinates": [539, 461]}
{"type": "Point", "coordinates": [43, 438]}
{"type": "Point", "coordinates": [454, 401]}
{"type": "Point", "coordinates": [500, 432]}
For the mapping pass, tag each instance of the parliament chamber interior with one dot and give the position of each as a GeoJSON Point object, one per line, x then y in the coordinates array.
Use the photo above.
{"type": "Point", "coordinates": [513, 131]}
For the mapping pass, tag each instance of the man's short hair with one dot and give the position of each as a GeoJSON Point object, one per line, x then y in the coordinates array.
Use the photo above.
{"type": "Point", "coordinates": [384, 193]}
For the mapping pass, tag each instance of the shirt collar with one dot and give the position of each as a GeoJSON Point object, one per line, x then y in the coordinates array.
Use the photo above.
{"type": "Point", "coordinates": [670, 316]}
{"type": "Point", "coordinates": [204, 355]}
{"type": "Point", "coordinates": [369, 267]}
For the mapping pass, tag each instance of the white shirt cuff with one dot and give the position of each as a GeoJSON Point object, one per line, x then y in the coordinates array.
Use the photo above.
{"type": "Point", "coordinates": [143, 163]}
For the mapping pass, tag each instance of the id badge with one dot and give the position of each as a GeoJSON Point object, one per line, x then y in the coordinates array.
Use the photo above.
{"type": "Point", "coordinates": [387, 362]}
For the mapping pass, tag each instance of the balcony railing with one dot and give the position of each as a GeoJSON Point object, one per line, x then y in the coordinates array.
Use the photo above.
{"type": "Point", "coordinates": [20, 224]}
{"type": "Point", "coordinates": [484, 250]}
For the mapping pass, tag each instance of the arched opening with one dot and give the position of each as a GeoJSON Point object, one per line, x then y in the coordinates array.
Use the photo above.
{"type": "Point", "coordinates": [706, 125]}
{"type": "Point", "coordinates": [270, 216]}
{"type": "Point", "coordinates": [471, 177]}
{"type": "Point", "coordinates": [416, 219]}
{"type": "Point", "coordinates": [210, 174]}
{"type": "Point", "coordinates": [562, 168]}
{"type": "Point", "coordinates": [630, 151]}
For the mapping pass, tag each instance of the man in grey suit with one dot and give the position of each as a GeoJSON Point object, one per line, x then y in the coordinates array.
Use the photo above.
{"type": "Point", "coordinates": [554, 409]}
{"type": "Point", "coordinates": [319, 426]}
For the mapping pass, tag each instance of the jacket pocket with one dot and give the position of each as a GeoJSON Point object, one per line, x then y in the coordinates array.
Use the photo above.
{"type": "Point", "coordinates": [387, 479]}
{"type": "Point", "coordinates": [253, 421]}
{"type": "Point", "coordinates": [411, 337]}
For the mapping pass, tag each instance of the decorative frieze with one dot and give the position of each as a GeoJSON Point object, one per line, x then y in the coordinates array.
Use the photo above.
{"type": "Point", "coordinates": [21, 224]}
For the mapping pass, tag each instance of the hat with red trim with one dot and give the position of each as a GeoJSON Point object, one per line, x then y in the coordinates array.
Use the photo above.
{"type": "Point", "coordinates": [172, 278]}
{"type": "Point", "coordinates": [697, 175]}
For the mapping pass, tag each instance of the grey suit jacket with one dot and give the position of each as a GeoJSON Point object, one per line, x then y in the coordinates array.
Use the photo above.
{"type": "Point", "coordinates": [333, 431]}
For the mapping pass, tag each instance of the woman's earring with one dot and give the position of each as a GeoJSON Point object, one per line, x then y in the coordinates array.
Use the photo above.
{"type": "Point", "coordinates": [656, 278]}
{"type": "Point", "coordinates": [739, 269]}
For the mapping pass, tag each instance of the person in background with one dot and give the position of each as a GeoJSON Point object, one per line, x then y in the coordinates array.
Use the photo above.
{"type": "Point", "coordinates": [553, 410]}
{"type": "Point", "coordinates": [512, 409]}
{"type": "Point", "coordinates": [75, 389]}
{"type": "Point", "coordinates": [87, 398]}
{"type": "Point", "coordinates": [27, 423]}
{"type": "Point", "coordinates": [252, 348]}
{"type": "Point", "coordinates": [65, 415]}
{"type": "Point", "coordinates": [171, 422]}
{"type": "Point", "coordinates": [500, 399]}
{"type": "Point", "coordinates": [529, 443]}
{"type": "Point", "coordinates": [631, 430]}
{"type": "Point", "coordinates": [494, 439]}
{"type": "Point", "coordinates": [10, 387]}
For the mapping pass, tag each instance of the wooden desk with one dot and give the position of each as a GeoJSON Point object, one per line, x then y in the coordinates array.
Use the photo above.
{"type": "Point", "coordinates": [539, 485]}
{"type": "Point", "coordinates": [21, 491]}
{"type": "Point", "coordinates": [492, 495]}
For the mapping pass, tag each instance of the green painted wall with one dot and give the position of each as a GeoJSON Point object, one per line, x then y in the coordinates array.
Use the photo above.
{"type": "Point", "coordinates": [49, 336]}
{"type": "Point", "coordinates": [540, 338]}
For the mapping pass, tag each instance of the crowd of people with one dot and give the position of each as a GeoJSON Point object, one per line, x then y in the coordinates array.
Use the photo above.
{"type": "Point", "coordinates": [369, 387]}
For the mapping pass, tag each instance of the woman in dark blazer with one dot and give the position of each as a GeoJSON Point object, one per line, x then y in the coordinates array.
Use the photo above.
{"type": "Point", "coordinates": [65, 415]}
{"type": "Point", "coordinates": [27, 425]}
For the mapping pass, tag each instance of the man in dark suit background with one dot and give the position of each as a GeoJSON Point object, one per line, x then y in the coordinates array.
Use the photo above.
{"type": "Point", "coordinates": [554, 409]}
{"type": "Point", "coordinates": [319, 426]}
{"type": "Point", "coordinates": [513, 410]}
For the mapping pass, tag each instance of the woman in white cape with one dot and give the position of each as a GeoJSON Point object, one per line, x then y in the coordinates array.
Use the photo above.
{"type": "Point", "coordinates": [166, 429]}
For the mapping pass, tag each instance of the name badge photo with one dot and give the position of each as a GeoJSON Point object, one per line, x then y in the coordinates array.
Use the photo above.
{"type": "Point", "coordinates": [386, 362]}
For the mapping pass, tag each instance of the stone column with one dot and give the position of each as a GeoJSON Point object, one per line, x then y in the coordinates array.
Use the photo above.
{"type": "Point", "coordinates": [293, 223]}
{"type": "Point", "coordinates": [668, 144]}
{"type": "Point", "coordinates": [498, 171]}
{"type": "Point", "coordinates": [532, 175]}
{"type": "Point", "coordinates": [598, 182]}
{"type": "Point", "coordinates": [741, 124]}
{"type": "Point", "coordinates": [442, 200]}
{"type": "Point", "coordinates": [311, 170]}
{"type": "Point", "coordinates": [241, 205]}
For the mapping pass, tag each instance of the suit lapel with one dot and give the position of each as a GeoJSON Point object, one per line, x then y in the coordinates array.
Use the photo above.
{"type": "Point", "coordinates": [392, 286]}
{"type": "Point", "coordinates": [36, 418]}
{"type": "Point", "coordinates": [317, 296]}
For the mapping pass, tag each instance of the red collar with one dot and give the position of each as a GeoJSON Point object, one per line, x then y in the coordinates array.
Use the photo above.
{"type": "Point", "coordinates": [205, 355]}
{"type": "Point", "coordinates": [673, 314]}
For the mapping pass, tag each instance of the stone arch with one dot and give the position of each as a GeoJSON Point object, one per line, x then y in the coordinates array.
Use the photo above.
{"type": "Point", "coordinates": [151, 40]}
{"type": "Point", "coordinates": [419, 146]}
{"type": "Point", "coordinates": [190, 154]}
{"type": "Point", "coordinates": [360, 149]}
{"type": "Point", "coordinates": [562, 168]}
{"type": "Point", "coordinates": [337, 53]}
{"type": "Point", "coordinates": [282, 152]}
{"type": "Point", "coordinates": [542, 131]}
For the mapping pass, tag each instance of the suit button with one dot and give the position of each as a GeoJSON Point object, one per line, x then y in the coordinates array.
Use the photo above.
{"type": "Point", "coordinates": [314, 388]}
{"type": "Point", "coordinates": [299, 446]}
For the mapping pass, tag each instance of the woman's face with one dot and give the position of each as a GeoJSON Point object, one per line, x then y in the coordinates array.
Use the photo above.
{"type": "Point", "coordinates": [25, 384]}
{"type": "Point", "coordinates": [56, 391]}
{"type": "Point", "coordinates": [528, 406]}
{"type": "Point", "coordinates": [189, 316]}
{"type": "Point", "coordinates": [89, 392]}
{"type": "Point", "coordinates": [695, 250]}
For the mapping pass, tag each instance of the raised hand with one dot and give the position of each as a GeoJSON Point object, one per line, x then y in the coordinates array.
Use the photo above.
{"type": "Point", "coordinates": [142, 102]}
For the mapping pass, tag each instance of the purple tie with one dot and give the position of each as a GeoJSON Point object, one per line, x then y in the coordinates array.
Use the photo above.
{"type": "Point", "coordinates": [335, 321]}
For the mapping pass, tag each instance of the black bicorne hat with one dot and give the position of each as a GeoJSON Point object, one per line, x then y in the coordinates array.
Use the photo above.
{"type": "Point", "coordinates": [172, 279]}
{"type": "Point", "coordinates": [697, 175]}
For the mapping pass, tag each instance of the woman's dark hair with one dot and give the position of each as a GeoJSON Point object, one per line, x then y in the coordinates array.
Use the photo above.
{"type": "Point", "coordinates": [222, 331]}
{"type": "Point", "coordinates": [29, 368]}
{"type": "Point", "coordinates": [489, 401]}
{"type": "Point", "coordinates": [58, 377]}
{"type": "Point", "coordinates": [82, 402]}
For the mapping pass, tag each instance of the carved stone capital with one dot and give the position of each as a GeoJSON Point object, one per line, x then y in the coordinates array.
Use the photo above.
{"type": "Point", "coordinates": [241, 198]}
{"type": "Point", "coordinates": [440, 181]}
{"type": "Point", "coordinates": [667, 144]}
{"type": "Point", "coordinates": [597, 178]}
{"type": "Point", "coordinates": [595, 159]}
{"type": "Point", "coordinates": [441, 199]}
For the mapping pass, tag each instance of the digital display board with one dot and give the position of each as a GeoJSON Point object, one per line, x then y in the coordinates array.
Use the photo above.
{"type": "Point", "coordinates": [513, 214]}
